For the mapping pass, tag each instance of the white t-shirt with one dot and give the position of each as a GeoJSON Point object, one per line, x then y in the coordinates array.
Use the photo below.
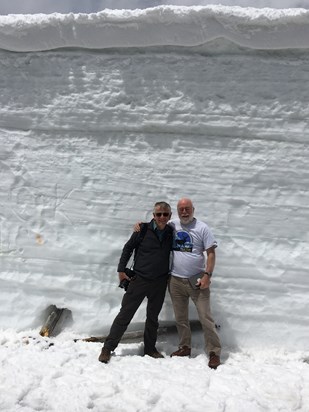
{"type": "Point", "coordinates": [190, 241]}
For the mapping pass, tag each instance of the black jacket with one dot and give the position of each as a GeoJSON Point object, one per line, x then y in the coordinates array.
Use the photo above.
{"type": "Point", "coordinates": [152, 255]}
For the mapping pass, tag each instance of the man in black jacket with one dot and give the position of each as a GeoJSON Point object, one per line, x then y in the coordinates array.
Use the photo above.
{"type": "Point", "coordinates": [151, 267]}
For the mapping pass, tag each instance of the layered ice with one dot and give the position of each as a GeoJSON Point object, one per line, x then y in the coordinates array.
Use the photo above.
{"type": "Point", "coordinates": [159, 26]}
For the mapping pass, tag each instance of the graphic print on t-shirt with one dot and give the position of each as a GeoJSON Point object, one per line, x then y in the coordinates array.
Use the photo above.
{"type": "Point", "coordinates": [183, 241]}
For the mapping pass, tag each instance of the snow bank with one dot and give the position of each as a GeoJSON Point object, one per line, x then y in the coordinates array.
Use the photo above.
{"type": "Point", "coordinates": [90, 139]}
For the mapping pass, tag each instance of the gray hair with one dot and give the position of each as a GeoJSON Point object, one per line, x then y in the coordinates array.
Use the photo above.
{"type": "Point", "coordinates": [162, 205]}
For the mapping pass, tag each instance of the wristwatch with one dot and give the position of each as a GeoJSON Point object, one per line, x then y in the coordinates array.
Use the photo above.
{"type": "Point", "coordinates": [208, 274]}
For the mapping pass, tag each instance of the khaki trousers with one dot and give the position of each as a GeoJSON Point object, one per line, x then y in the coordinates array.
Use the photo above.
{"type": "Point", "coordinates": [181, 290]}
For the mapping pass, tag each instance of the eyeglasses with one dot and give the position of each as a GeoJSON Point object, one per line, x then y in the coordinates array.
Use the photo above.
{"type": "Point", "coordinates": [159, 214]}
{"type": "Point", "coordinates": [184, 209]}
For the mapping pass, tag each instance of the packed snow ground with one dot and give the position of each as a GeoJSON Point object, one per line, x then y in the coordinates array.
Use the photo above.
{"type": "Point", "coordinates": [58, 374]}
{"type": "Point", "coordinates": [102, 115]}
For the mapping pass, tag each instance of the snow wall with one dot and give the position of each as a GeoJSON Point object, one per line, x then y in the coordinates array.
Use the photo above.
{"type": "Point", "coordinates": [101, 115]}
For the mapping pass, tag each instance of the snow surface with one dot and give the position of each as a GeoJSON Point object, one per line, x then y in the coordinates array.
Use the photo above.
{"type": "Point", "coordinates": [159, 26]}
{"type": "Point", "coordinates": [101, 115]}
{"type": "Point", "coordinates": [94, 6]}
{"type": "Point", "coordinates": [58, 374]}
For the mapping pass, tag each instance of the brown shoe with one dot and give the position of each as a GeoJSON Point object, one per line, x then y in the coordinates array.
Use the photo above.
{"type": "Point", "coordinates": [155, 354]}
{"type": "Point", "coordinates": [182, 351]}
{"type": "Point", "coordinates": [214, 360]}
{"type": "Point", "coordinates": [105, 355]}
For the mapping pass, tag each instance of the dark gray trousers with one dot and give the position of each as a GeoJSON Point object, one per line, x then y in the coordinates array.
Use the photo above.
{"type": "Point", "coordinates": [139, 288]}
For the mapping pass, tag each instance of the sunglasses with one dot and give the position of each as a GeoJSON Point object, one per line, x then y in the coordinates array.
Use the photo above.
{"type": "Point", "coordinates": [159, 214]}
